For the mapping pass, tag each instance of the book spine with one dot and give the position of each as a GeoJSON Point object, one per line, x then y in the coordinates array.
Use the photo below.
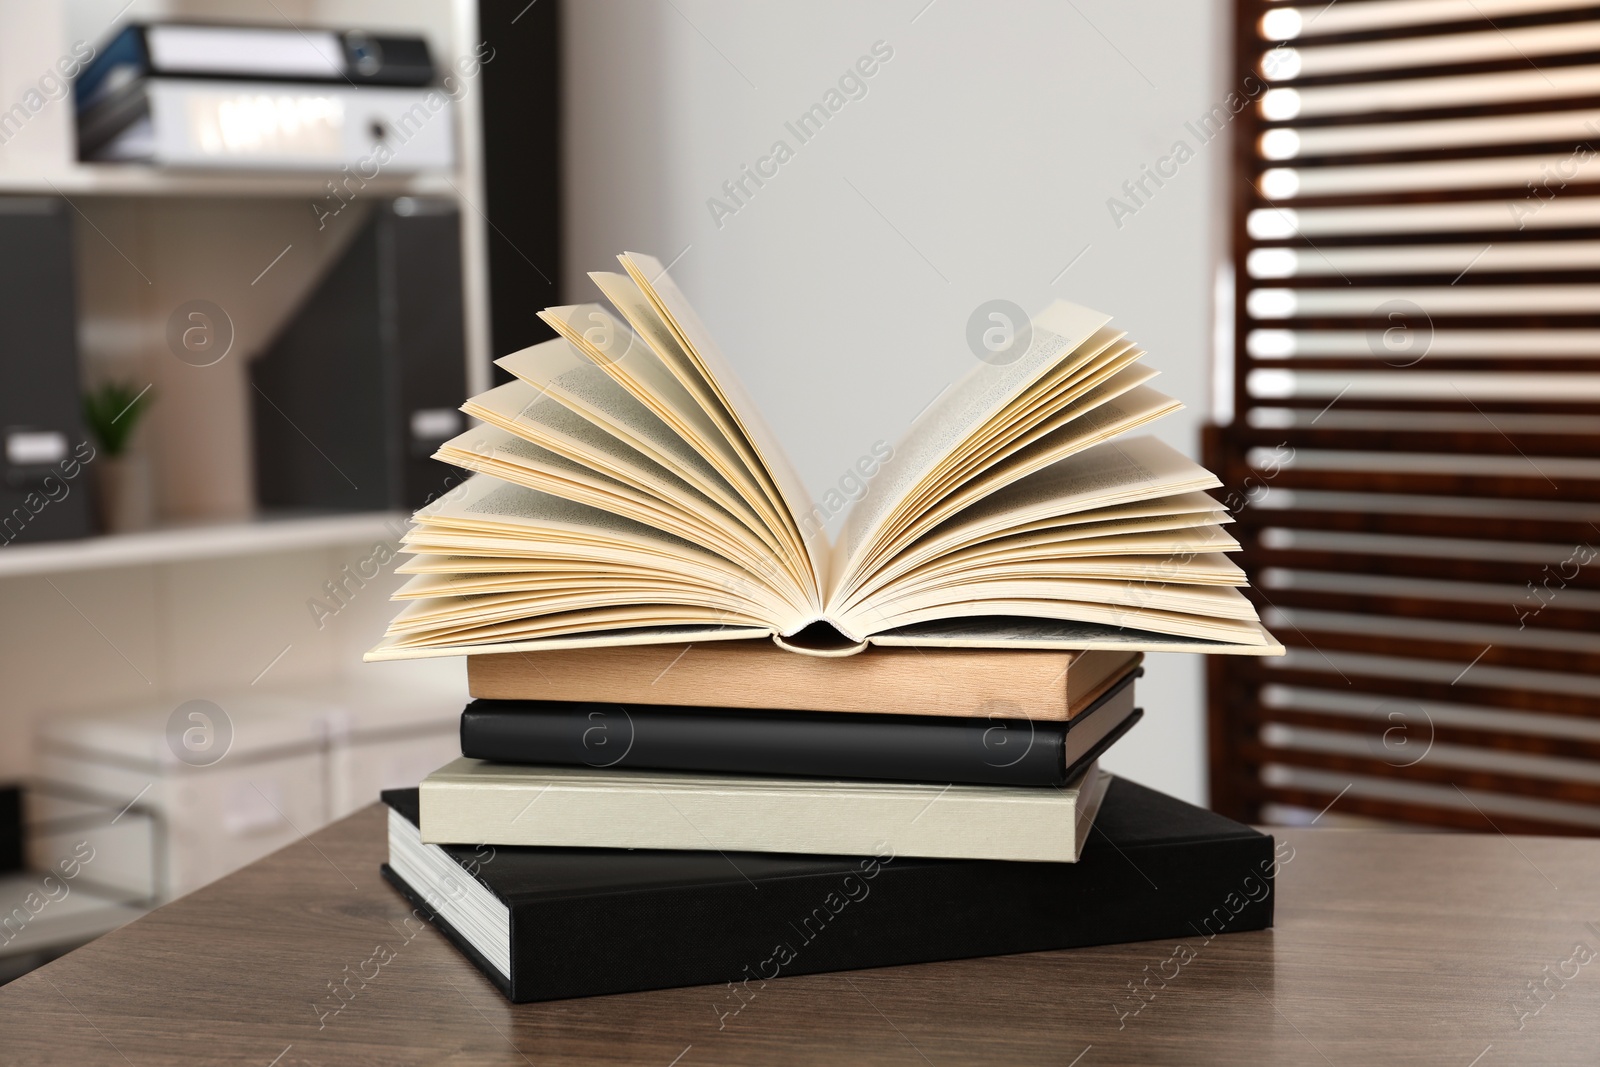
{"type": "Point", "coordinates": [889, 911]}
{"type": "Point", "coordinates": [804, 744]}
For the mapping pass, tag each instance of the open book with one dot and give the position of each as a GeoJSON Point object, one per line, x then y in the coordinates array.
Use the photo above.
{"type": "Point", "coordinates": [627, 491]}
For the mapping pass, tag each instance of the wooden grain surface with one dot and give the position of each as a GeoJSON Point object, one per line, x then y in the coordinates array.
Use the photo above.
{"type": "Point", "coordinates": [1389, 948]}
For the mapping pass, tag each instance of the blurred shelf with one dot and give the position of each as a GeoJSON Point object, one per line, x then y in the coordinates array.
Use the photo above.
{"type": "Point", "coordinates": [181, 543]}
{"type": "Point", "coordinates": [113, 179]}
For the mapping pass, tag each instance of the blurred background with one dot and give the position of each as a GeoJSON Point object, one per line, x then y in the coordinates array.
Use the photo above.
{"type": "Point", "coordinates": [245, 280]}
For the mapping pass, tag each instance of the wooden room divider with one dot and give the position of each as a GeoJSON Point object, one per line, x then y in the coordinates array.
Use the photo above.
{"type": "Point", "coordinates": [1413, 455]}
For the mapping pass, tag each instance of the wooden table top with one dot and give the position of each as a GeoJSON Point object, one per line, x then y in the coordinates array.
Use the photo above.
{"type": "Point", "coordinates": [1458, 950]}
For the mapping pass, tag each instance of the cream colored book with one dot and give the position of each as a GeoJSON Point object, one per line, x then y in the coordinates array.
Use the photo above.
{"type": "Point", "coordinates": [626, 491]}
{"type": "Point", "coordinates": [473, 802]}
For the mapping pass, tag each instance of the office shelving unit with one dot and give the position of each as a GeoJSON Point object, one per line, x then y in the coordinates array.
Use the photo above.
{"type": "Point", "coordinates": [183, 543]}
{"type": "Point", "coordinates": [214, 600]}
{"type": "Point", "coordinates": [148, 239]}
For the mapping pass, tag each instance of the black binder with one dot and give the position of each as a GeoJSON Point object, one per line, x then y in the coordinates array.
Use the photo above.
{"type": "Point", "coordinates": [11, 834]}
{"type": "Point", "coordinates": [227, 50]}
{"type": "Point", "coordinates": [45, 490]}
{"type": "Point", "coordinates": [358, 391]}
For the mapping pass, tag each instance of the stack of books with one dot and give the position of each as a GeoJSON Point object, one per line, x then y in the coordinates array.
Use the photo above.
{"type": "Point", "coordinates": [707, 747]}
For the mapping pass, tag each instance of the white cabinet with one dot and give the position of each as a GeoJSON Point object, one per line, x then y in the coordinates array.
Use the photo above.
{"type": "Point", "coordinates": [390, 728]}
{"type": "Point", "coordinates": [225, 782]}
{"type": "Point", "coordinates": [174, 794]}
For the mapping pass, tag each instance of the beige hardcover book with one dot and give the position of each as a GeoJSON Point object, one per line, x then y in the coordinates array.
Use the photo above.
{"type": "Point", "coordinates": [626, 492]}
{"type": "Point", "coordinates": [473, 802]}
{"type": "Point", "coordinates": [1005, 683]}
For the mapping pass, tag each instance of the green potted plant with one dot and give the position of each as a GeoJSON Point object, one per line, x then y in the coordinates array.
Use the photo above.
{"type": "Point", "coordinates": [125, 501]}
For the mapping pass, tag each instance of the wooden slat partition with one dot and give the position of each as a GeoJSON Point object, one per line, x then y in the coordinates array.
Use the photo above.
{"type": "Point", "coordinates": [1422, 530]}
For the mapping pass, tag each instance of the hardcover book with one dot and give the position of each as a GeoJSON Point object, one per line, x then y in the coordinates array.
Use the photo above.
{"type": "Point", "coordinates": [470, 800]}
{"type": "Point", "coordinates": [628, 491]}
{"type": "Point", "coordinates": [992, 750]}
{"type": "Point", "coordinates": [1014, 682]}
{"type": "Point", "coordinates": [552, 923]}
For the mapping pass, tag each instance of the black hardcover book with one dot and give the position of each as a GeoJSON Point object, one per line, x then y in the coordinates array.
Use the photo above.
{"type": "Point", "coordinates": [918, 748]}
{"type": "Point", "coordinates": [547, 924]}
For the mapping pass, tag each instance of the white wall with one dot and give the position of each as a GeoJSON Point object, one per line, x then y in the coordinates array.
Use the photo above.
{"type": "Point", "coordinates": [978, 165]}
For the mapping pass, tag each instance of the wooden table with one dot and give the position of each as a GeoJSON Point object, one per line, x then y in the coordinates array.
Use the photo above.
{"type": "Point", "coordinates": [1389, 948]}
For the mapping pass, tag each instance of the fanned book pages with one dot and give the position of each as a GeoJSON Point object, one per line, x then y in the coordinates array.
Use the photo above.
{"type": "Point", "coordinates": [626, 491]}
